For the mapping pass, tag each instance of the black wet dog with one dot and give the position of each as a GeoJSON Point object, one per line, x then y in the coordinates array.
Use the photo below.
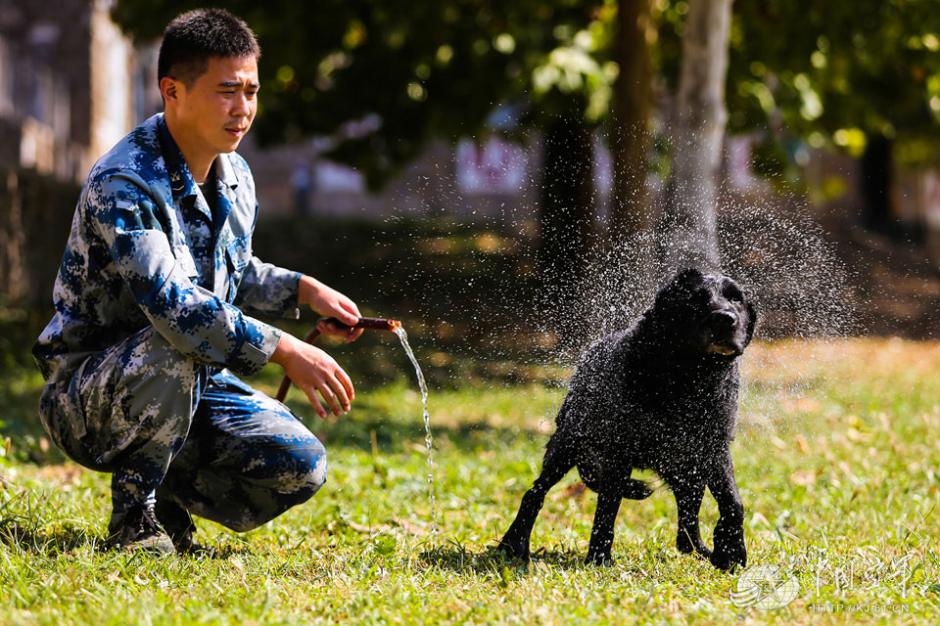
{"type": "Point", "coordinates": [663, 396]}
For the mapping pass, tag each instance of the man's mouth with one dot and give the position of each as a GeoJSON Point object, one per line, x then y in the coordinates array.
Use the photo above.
{"type": "Point", "coordinates": [236, 131]}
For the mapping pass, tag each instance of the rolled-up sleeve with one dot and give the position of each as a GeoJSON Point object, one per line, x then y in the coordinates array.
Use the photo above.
{"type": "Point", "coordinates": [199, 324]}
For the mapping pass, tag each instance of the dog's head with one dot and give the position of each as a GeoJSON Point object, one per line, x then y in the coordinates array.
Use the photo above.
{"type": "Point", "coordinates": [709, 313]}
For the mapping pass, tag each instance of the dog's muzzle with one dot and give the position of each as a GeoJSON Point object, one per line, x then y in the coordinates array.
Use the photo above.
{"type": "Point", "coordinates": [723, 331]}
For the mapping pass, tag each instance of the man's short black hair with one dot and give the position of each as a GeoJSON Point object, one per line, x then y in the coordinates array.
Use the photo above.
{"type": "Point", "coordinates": [194, 37]}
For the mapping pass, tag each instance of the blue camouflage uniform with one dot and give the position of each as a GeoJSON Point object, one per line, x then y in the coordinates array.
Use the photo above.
{"type": "Point", "coordinates": [150, 328]}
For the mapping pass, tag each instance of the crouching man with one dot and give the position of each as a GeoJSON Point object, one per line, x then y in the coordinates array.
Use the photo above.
{"type": "Point", "coordinates": [150, 324]}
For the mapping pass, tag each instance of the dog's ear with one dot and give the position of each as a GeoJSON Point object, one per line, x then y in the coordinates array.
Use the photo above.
{"type": "Point", "coordinates": [751, 318]}
{"type": "Point", "coordinates": [678, 289]}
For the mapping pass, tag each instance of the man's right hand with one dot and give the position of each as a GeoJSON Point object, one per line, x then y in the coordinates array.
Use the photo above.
{"type": "Point", "coordinates": [313, 370]}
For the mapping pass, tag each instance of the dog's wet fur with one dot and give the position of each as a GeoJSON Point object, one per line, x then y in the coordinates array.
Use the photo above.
{"type": "Point", "coordinates": [662, 396]}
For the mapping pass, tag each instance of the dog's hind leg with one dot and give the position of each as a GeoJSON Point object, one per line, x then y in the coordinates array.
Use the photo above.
{"type": "Point", "coordinates": [688, 502]}
{"type": "Point", "coordinates": [515, 543]}
{"type": "Point", "coordinates": [602, 535]}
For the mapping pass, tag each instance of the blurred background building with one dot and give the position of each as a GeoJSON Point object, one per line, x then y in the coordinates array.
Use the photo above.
{"type": "Point", "coordinates": [57, 114]}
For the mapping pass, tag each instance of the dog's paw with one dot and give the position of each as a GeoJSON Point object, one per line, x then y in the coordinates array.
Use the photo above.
{"type": "Point", "coordinates": [688, 546]}
{"type": "Point", "coordinates": [729, 546]}
{"type": "Point", "coordinates": [599, 559]}
{"type": "Point", "coordinates": [514, 549]}
{"type": "Point", "coordinates": [636, 490]}
{"type": "Point", "coordinates": [729, 554]}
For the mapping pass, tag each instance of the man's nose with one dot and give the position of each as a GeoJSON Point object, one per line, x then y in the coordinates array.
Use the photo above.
{"type": "Point", "coordinates": [241, 107]}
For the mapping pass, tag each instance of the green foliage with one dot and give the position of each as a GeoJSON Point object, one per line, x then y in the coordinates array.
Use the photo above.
{"type": "Point", "coordinates": [836, 72]}
{"type": "Point", "coordinates": [828, 72]}
{"type": "Point", "coordinates": [427, 69]}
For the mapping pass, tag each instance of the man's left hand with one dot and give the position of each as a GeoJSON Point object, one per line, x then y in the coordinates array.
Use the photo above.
{"type": "Point", "coordinates": [330, 303]}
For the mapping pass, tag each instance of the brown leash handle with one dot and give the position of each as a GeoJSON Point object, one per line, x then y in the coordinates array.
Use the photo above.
{"type": "Point", "coordinates": [376, 323]}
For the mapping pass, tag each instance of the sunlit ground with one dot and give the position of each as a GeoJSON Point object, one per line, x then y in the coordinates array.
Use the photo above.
{"type": "Point", "coordinates": [837, 458]}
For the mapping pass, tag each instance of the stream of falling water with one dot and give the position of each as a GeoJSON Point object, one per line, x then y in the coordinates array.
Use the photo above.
{"type": "Point", "coordinates": [428, 442]}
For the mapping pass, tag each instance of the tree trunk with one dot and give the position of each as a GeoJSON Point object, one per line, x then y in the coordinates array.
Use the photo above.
{"type": "Point", "coordinates": [13, 243]}
{"type": "Point", "coordinates": [689, 234]}
{"type": "Point", "coordinates": [630, 139]}
{"type": "Point", "coordinates": [566, 220]}
{"type": "Point", "coordinates": [876, 170]}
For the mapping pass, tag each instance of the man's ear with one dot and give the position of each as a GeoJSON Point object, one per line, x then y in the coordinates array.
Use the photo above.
{"type": "Point", "coordinates": [169, 88]}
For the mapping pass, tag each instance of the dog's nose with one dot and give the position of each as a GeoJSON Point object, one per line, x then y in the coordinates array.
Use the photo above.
{"type": "Point", "coordinates": [725, 319]}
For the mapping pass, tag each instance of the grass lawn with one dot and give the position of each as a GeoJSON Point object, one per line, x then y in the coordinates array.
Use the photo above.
{"type": "Point", "coordinates": [838, 459]}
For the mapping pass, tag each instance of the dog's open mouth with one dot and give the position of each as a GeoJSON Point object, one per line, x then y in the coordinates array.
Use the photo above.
{"type": "Point", "coordinates": [723, 349]}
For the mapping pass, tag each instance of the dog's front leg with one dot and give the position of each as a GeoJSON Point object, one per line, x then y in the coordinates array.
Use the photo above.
{"type": "Point", "coordinates": [729, 531]}
{"type": "Point", "coordinates": [689, 493]}
{"type": "Point", "coordinates": [602, 535]}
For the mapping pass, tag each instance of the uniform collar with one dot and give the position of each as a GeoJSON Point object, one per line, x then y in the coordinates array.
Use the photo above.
{"type": "Point", "coordinates": [182, 182]}
{"type": "Point", "coordinates": [224, 172]}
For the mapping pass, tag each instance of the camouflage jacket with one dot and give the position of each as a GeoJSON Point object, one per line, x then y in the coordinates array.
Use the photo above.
{"type": "Point", "coordinates": [136, 257]}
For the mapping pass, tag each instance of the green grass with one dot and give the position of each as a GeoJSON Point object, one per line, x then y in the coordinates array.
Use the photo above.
{"type": "Point", "coordinates": [838, 458]}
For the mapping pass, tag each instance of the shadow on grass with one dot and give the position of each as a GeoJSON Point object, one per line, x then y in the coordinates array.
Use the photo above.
{"type": "Point", "coordinates": [18, 531]}
{"type": "Point", "coordinates": [491, 563]}
{"type": "Point", "coordinates": [21, 527]}
{"type": "Point", "coordinates": [63, 540]}
{"type": "Point", "coordinates": [50, 542]}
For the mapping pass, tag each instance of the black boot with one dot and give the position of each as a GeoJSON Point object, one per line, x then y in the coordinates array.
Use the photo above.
{"type": "Point", "coordinates": [138, 529]}
{"type": "Point", "coordinates": [179, 525]}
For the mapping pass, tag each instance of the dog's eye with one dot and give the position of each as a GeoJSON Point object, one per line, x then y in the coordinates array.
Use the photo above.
{"type": "Point", "coordinates": [734, 294]}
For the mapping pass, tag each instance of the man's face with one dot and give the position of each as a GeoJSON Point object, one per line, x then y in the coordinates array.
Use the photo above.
{"type": "Point", "coordinates": [217, 109]}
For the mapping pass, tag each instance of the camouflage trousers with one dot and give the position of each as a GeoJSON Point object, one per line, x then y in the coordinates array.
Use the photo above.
{"type": "Point", "coordinates": [171, 430]}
